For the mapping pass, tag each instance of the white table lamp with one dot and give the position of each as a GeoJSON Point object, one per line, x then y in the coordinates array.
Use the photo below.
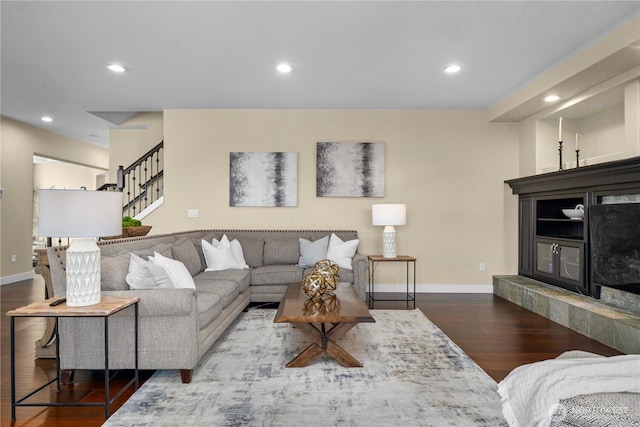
{"type": "Point", "coordinates": [389, 215]}
{"type": "Point", "coordinates": [83, 216]}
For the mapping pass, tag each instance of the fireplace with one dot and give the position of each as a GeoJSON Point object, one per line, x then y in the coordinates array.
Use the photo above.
{"type": "Point", "coordinates": [614, 231]}
{"type": "Point", "coordinates": [604, 249]}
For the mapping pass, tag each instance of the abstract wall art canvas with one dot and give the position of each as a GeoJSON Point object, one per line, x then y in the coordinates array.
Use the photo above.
{"type": "Point", "coordinates": [350, 169]}
{"type": "Point", "coordinates": [263, 179]}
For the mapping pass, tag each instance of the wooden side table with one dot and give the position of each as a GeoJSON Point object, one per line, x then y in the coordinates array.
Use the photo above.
{"type": "Point", "coordinates": [374, 260]}
{"type": "Point", "coordinates": [108, 306]}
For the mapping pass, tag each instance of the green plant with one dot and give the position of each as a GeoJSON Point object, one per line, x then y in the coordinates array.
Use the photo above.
{"type": "Point", "coordinates": [127, 221]}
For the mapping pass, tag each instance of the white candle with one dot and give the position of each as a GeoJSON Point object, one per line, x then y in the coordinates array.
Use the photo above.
{"type": "Point", "coordinates": [560, 130]}
{"type": "Point", "coordinates": [577, 135]}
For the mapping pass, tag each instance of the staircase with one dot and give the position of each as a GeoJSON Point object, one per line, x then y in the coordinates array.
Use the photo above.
{"type": "Point", "coordinates": [142, 183]}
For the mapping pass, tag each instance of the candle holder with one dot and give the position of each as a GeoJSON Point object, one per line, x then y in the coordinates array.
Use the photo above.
{"type": "Point", "coordinates": [560, 154]}
{"type": "Point", "coordinates": [577, 158]}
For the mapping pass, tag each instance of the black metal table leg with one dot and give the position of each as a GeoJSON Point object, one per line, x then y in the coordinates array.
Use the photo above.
{"type": "Point", "coordinates": [106, 368]}
{"type": "Point", "coordinates": [13, 370]}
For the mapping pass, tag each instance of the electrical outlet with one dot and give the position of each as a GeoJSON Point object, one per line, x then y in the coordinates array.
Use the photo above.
{"type": "Point", "coordinates": [13, 258]}
{"type": "Point", "coordinates": [482, 266]}
{"type": "Point", "coordinates": [193, 213]}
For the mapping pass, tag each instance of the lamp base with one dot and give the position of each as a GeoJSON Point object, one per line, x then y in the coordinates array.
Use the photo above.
{"type": "Point", "coordinates": [83, 273]}
{"type": "Point", "coordinates": [389, 248]}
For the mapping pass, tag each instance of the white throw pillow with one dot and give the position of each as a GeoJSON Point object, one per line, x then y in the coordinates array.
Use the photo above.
{"type": "Point", "coordinates": [236, 249]}
{"type": "Point", "coordinates": [177, 271]}
{"type": "Point", "coordinates": [220, 257]}
{"type": "Point", "coordinates": [146, 275]}
{"type": "Point", "coordinates": [312, 252]}
{"type": "Point", "coordinates": [342, 252]}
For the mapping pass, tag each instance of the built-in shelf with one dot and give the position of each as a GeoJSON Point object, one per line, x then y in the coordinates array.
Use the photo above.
{"type": "Point", "coordinates": [552, 247]}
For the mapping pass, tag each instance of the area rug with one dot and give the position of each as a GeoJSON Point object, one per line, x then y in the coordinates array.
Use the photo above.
{"type": "Point", "coordinates": [413, 375]}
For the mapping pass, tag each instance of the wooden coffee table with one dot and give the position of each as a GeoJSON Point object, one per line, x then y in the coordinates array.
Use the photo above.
{"type": "Point", "coordinates": [323, 322]}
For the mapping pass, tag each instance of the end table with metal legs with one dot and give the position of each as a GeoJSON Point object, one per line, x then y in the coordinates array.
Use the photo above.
{"type": "Point", "coordinates": [374, 260]}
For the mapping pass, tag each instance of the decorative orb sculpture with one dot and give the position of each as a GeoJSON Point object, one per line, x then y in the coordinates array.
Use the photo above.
{"type": "Point", "coordinates": [313, 307]}
{"type": "Point", "coordinates": [327, 265]}
{"type": "Point", "coordinates": [328, 304]}
{"type": "Point", "coordinates": [331, 304]}
{"type": "Point", "coordinates": [331, 272]}
{"type": "Point", "coordinates": [314, 285]}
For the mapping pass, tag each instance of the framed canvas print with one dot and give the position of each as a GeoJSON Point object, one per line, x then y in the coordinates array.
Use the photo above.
{"type": "Point", "coordinates": [263, 179]}
{"type": "Point", "coordinates": [350, 169]}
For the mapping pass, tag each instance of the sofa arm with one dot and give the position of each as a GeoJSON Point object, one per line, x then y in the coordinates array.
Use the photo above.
{"type": "Point", "coordinates": [161, 302]}
{"type": "Point", "coordinates": [360, 274]}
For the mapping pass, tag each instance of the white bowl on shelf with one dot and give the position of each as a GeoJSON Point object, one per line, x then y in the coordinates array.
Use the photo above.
{"type": "Point", "coordinates": [577, 213]}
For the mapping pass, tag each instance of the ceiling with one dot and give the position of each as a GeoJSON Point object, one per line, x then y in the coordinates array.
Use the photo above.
{"type": "Point", "coordinates": [216, 54]}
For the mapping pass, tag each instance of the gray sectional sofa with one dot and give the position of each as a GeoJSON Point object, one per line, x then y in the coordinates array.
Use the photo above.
{"type": "Point", "coordinates": [177, 326]}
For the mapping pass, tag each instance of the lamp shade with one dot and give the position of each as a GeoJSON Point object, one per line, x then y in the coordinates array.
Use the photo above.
{"type": "Point", "coordinates": [79, 213]}
{"type": "Point", "coordinates": [389, 214]}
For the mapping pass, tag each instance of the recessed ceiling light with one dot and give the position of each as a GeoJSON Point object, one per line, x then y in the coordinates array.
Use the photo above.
{"type": "Point", "coordinates": [116, 68]}
{"type": "Point", "coordinates": [453, 68]}
{"type": "Point", "coordinates": [46, 119]}
{"type": "Point", "coordinates": [551, 98]}
{"type": "Point", "coordinates": [284, 68]}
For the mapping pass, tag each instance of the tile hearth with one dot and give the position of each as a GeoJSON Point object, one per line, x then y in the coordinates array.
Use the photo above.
{"type": "Point", "coordinates": [612, 326]}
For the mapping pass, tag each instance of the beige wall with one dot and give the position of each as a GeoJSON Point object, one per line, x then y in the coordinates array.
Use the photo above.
{"type": "Point", "coordinates": [140, 134]}
{"type": "Point", "coordinates": [610, 134]}
{"type": "Point", "coordinates": [18, 143]}
{"type": "Point", "coordinates": [447, 166]}
{"type": "Point", "coordinates": [63, 175]}
{"type": "Point", "coordinates": [602, 135]}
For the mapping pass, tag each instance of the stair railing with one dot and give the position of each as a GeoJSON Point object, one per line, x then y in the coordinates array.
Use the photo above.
{"type": "Point", "coordinates": [143, 182]}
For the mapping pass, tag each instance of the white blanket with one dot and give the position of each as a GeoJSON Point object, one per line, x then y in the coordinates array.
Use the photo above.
{"type": "Point", "coordinates": [530, 393]}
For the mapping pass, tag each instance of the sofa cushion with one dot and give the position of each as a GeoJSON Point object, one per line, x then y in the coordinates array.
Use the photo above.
{"type": "Point", "coordinates": [252, 250]}
{"type": "Point", "coordinates": [162, 248]}
{"type": "Point", "coordinates": [241, 277]}
{"type": "Point", "coordinates": [146, 275]}
{"type": "Point", "coordinates": [225, 289]}
{"type": "Point", "coordinates": [276, 275]}
{"type": "Point", "coordinates": [312, 252]}
{"type": "Point", "coordinates": [197, 243]}
{"type": "Point", "coordinates": [113, 272]}
{"type": "Point", "coordinates": [281, 251]}
{"type": "Point", "coordinates": [186, 253]}
{"type": "Point", "coordinates": [209, 307]}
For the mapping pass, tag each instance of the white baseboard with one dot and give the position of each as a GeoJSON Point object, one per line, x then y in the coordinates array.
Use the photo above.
{"type": "Point", "coordinates": [16, 278]}
{"type": "Point", "coordinates": [435, 288]}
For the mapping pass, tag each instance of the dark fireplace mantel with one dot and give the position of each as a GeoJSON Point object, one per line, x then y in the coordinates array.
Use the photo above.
{"type": "Point", "coordinates": [616, 175]}
{"type": "Point", "coordinates": [553, 248]}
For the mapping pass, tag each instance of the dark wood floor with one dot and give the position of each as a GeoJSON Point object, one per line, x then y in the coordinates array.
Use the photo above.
{"type": "Point", "coordinates": [496, 334]}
